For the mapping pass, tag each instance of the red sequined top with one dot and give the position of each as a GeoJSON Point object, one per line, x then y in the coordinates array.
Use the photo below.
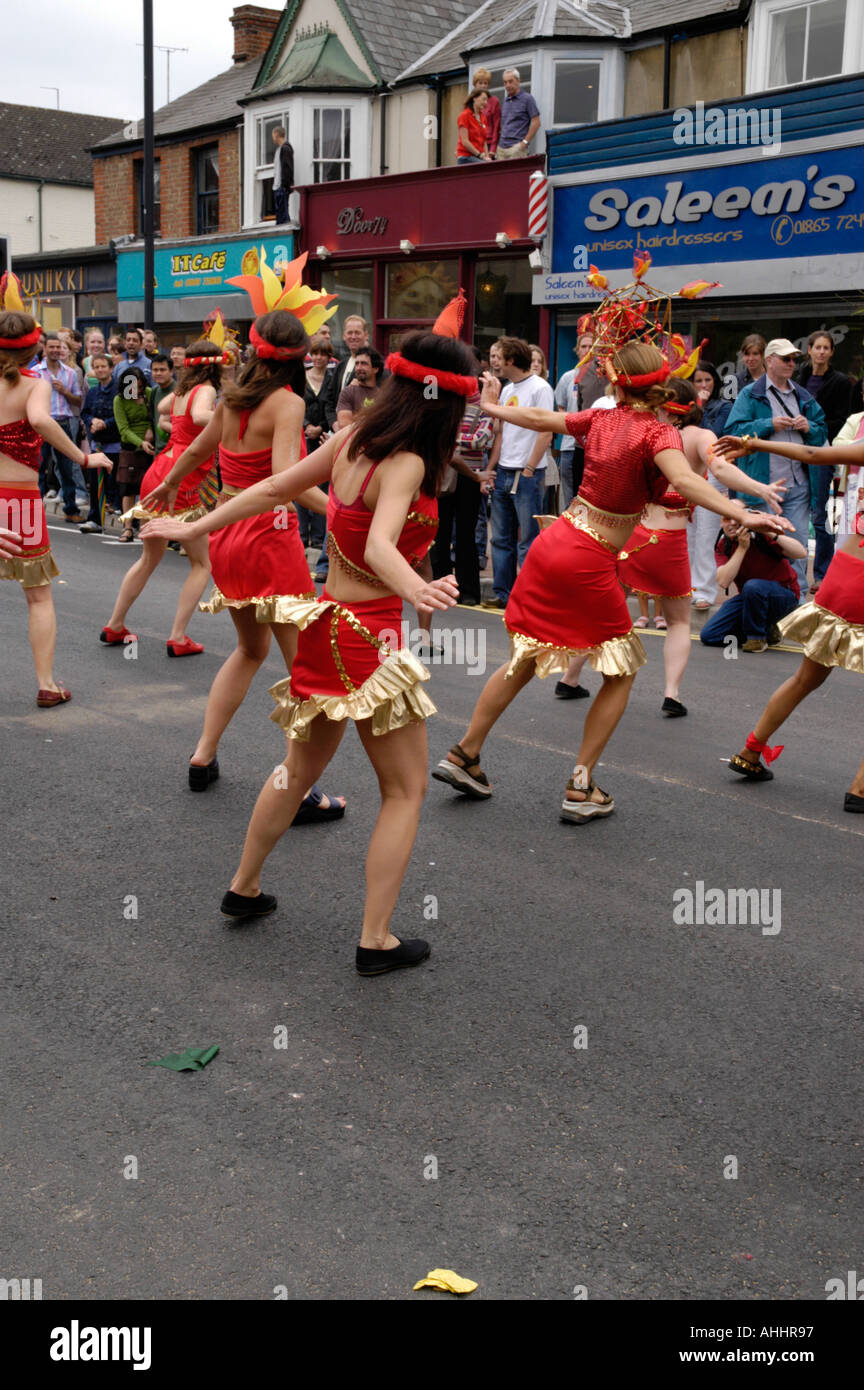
{"type": "Point", "coordinates": [19, 441]}
{"type": "Point", "coordinates": [620, 473]}
{"type": "Point", "coordinates": [348, 526]}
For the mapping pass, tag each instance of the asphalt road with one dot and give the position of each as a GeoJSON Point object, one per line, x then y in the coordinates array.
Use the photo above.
{"type": "Point", "coordinates": [306, 1166]}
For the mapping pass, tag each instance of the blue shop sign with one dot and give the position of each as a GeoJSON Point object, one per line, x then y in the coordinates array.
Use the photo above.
{"type": "Point", "coordinates": [200, 269]}
{"type": "Point", "coordinates": [755, 214]}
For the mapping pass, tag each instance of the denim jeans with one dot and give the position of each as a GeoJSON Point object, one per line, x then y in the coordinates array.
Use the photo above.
{"type": "Point", "coordinates": [571, 466]}
{"type": "Point", "coordinates": [513, 525]}
{"type": "Point", "coordinates": [820, 491]}
{"type": "Point", "coordinates": [760, 604]}
{"type": "Point", "coordinates": [63, 467]}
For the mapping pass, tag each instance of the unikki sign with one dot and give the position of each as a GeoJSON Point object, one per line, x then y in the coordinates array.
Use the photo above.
{"type": "Point", "coordinates": [351, 222]}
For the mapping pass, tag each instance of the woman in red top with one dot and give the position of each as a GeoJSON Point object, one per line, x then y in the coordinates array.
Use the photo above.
{"type": "Point", "coordinates": [384, 473]}
{"type": "Point", "coordinates": [191, 406]}
{"type": "Point", "coordinates": [567, 599]}
{"type": "Point", "coordinates": [25, 554]}
{"type": "Point", "coordinates": [258, 565]}
{"type": "Point", "coordinates": [472, 147]}
{"type": "Point", "coordinates": [830, 628]}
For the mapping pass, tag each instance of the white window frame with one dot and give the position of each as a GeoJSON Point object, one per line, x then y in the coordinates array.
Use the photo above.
{"type": "Point", "coordinates": [296, 113]}
{"type": "Point", "coordinates": [610, 98]}
{"type": "Point", "coordinates": [759, 41]}
{"type": "Point", "coordinates": [580, 60]}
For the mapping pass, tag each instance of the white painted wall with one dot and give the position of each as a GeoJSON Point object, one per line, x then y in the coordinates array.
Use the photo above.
{"type": "Point", "coordinates": [407, 125]}
{"type": "Point", "coordinates": [67, 216]}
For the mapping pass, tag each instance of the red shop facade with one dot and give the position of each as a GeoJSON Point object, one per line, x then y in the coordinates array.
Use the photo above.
{"type": "Point", "coordinates": [395, 249]}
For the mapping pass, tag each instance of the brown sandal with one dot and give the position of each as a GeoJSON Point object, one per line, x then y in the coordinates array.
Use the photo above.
{"type": "Point", "coordinates": [577, 812]}
{"type": "Point", "coordinates": [45, 699]}
{"type": "Point", "coordinates": [473, 784]}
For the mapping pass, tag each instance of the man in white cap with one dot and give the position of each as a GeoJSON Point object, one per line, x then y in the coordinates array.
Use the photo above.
{"type": "Point", "coordinates": [774, 407]}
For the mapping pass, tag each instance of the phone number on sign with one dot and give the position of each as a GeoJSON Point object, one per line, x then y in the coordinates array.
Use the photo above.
{"type": "Point", "coordinates": [784, 228]}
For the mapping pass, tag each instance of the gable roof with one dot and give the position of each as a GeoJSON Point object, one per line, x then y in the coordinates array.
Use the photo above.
{"type": "Point", "coordinates": [499, 23]}
{"type": "Point", "coordinates": [213, 103]}
{"type": "Point", "coordinates": [317, 60]}
{"type": "Point", "coordinates": [41, 143]}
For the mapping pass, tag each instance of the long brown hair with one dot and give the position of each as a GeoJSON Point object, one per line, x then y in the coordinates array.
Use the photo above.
{"type": "Point", "coordinates": [403, 417]}
{"type": "Point", "coordinates": [264, 375]}
{"type": "Point", "coordinates": [15, 324]}
{"type": "Point", "coordinates": [638, 359]}
{"type": "Point", "coordinates": [685, 393]}
{"type": "Point", "coordinates": [203, 374]}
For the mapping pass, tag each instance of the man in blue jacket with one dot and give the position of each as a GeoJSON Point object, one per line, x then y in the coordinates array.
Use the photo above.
{"type": "Point", "coordinates": [774, 407]}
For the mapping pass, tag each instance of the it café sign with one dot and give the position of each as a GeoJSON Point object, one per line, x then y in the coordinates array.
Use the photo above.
{"type": "Point", "coordinates": [353, 222]}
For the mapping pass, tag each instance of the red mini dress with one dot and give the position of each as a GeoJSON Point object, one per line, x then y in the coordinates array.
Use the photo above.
{"type": "Point", "coordinates": [656, 561]}
{"type": "Point", "coordinates": [260, 561]}
{"type": "Point", "coordinates": [198, 490]}
{"type": "Point", "coordinates": [350, 661]}
{"type": "Point", "coordinates": [567, 600]}
{"type": "Point", "coordinates": [22, 510]}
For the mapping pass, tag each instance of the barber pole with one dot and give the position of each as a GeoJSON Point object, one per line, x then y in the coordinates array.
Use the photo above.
{"type": "Point", "coordinates": [537, 205]}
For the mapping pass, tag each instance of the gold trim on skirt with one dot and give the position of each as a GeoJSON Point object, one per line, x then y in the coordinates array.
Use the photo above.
{"type": "Point", "coordinates": [139, 513]}
{"type": "Point", "coordinates": [391, 698]}
{"type": "Point", "coordinates": [825, 638]}
{"type": "Point", "coordinates": [272, 608]}
{"type": "Point", "coordinates": [30, 573]}
{"type": "Point", "coordinates": [618, 656]}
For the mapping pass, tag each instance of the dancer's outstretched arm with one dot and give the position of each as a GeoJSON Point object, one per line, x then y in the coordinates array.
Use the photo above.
{"type": "Point", "coordinates": [39, 415]}
{"type": "Point", "coordinates": [398, 480]}
{"type": "Point", "coordinates": [734, 448]}
{"type": "Point", "coordinates": [528, 417]}
{"type": "Point", "coordinates": [732, 477]}
{"type": "Point", "coordinates": [676, 468]}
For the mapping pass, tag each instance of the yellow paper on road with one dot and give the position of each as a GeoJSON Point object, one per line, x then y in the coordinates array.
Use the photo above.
{"type": "Point", "coordinates": [447, 1280]}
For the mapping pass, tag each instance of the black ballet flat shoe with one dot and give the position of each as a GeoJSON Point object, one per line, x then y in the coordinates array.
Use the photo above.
{"type": "Point", "coordinates": [235, 905]}
{"type": "Point", "coordinates": [407, 953]}
{"type": "Point", "coordinates": [201, 777]}
{"type": "Point", "coordinates": [571, 692]}
{"type": "Point", "coordinates": [673, 708]}
{"type": "Point", "coordinates": [851, 802]}
{"type": "Point", "coordinates": [311, 812]}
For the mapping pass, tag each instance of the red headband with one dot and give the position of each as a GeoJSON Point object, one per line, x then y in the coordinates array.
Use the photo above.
{"type": "Point", "coordinates": [415, 371]}
{"type": "Point", "coordinates": [26, 340]}
{"type": "Point", "coordinates": [220, 360]}
{"type": "Point", "coordinates": [646, 378]}
{"type": "Point", "coordinates": [265, 349]}
{"type": "Point", "coordinates": [676, 407]}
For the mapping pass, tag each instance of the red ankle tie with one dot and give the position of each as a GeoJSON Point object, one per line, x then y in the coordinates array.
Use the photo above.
{"type": "Point", "coordinates": [753, 745]}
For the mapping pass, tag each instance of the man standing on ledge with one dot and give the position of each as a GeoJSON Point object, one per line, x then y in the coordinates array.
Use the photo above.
{"type": "Point", "coordinates": [520, 118]}
{"type": "Point", "coordinates": [283, 175]}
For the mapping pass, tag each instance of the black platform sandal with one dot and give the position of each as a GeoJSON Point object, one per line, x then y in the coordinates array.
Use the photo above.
{"type": "Point", "coordinates": [577, 812]}
{"type": "Point", "coordinates": [201, 777]}
{"type": "Point", "coordinates": [311, 812]}
{"type": "Point", "coordinates": [754, 772]}
{"type": "Point", "coordinates": [474, 784]}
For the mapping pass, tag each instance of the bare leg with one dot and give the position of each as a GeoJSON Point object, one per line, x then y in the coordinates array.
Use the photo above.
{"type": "Point", "coordinates": [676, 648]}
{"type": "Point", "coordinates": [495, 696]}
{"type": "Point", "coordinates": [809, 676]}
{"type": "Point", "coordinates": [135, 579]}
{"type": "Point", "coordinates": [574, 670]}
{"type": "Point", "coordinates": [399, 760]}
{"type": "Point", "coordinates": [280, 797]}
{"type": "Point", "coordinates": [232, 681]}
{"type": "Point", "coordinates": [128, 504]}
{"type": "Point", "coordinates": [606, 710]}
{"type": "Point", "coordinates": [198, 554]}
{"type": "Point", "coordinates": [286, 635]}
{"type": "Point", "coordinates": [43, 633]}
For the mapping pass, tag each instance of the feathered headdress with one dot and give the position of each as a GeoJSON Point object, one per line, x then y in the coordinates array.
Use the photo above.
{"type": "Point", "coordinates": [640, 313]}
{"type": "Point", "coordinates": [267, 291]}
{"type": "Point", "coordinates": [10, 300]}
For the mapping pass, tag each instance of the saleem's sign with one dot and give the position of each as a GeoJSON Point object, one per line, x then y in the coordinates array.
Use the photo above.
{"type": "Point", "coordinates": [190, 271]}
{"type": "Point", "coordinates": [806, 208]}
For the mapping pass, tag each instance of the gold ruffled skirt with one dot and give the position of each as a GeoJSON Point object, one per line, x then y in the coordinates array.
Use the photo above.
{"type": "Point", "coordinates": [825, 638]}
{"type": "Point", "coordinates": [618, 656]}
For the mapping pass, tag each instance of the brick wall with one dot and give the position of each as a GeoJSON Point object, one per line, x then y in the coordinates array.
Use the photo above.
{"type": "Point", "coordinates": [116, 184]}
{"type": "Point", "coordinates": [254, 27]}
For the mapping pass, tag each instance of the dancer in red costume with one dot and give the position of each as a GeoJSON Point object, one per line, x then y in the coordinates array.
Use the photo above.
{"type": "Point", "coordinates": [25, 420]}
{"type": "Point", "coordinates": [191, 406]}
{"type": "Point", "coordinates": [259, 565]}
{"type": "Point", "coordinates": [656, 562]}
{"type": "Point", "coordinates": [384, 474]}
{"type": "Point", "coordinates": [567, 600]}
{"type": "Point", "coordinates": [831, 627]}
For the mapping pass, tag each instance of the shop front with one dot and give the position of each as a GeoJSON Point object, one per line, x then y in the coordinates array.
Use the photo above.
{"type": "Point", "coordinates": [780, 226]}
{"type": "Point", "coordinates": [191, 278]}
{"type": "Point", "coordinates": [396, 249]}
{"type": "Point", "coordinates": [71, 288]}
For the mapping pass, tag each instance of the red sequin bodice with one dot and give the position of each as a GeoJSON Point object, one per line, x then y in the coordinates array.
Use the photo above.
{"type": "Point", "coordinates": [19, 441]}
{"type": "Point", "coordinates": [348, 526]}
{"type": "Point", "coordinates": [620, 473]}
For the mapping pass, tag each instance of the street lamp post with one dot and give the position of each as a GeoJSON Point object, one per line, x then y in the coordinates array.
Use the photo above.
{"type": "Point", "coordinates": [147, 171]}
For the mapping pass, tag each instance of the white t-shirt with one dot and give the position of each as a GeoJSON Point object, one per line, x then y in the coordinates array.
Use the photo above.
{"type": "Point", "coordinates": [518, 444]}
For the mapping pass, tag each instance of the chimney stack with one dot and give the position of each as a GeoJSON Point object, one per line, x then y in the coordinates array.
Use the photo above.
{"type": "Point", "coordinates": [254, 27]}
